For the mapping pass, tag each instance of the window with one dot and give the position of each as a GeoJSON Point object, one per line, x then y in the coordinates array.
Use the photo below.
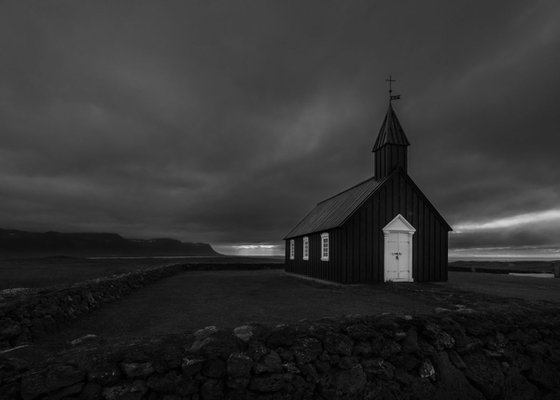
{"type": "Point", "coordinates": [324, 247]}
{"type": "Point", "coordinates": [292, 249]}
{"type": "Point", "coordinates": [306, 248]}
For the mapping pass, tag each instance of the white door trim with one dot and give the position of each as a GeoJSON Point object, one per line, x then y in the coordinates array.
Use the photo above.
{"type": "Point", "coordinates": [398, 225]}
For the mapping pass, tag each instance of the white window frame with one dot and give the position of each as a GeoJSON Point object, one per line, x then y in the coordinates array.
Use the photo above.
{"type": "Point", "coordinates": [325, 247]}
{"type": "Point", "coordinates": [306, 248]}
{"type": "Point", "coordinates": [292, 249]}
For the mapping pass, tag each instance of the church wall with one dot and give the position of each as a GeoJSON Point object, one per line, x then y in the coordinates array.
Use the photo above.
{"type": "Point", "coordinates": [315, 267]}
{"type": "Point", "coordinates": [364, 241]}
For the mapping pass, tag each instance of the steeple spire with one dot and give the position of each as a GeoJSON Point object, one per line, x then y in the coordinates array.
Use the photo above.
{"type": "Point", "coordinates": [390, 146]}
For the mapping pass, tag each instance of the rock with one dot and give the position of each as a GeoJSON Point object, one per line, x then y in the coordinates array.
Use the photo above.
{"type": "Point", "coordinates": [307, 350]}
{"type": "Point", "coordinates": [9, 329]}
{"type": "Point", "coordinates": [363, 349]}
{"type": "Point", "coordinates": [286, 355]}
{"type": "Point", "coordinates": [358, 331]}
{"type": "Point", "coordinates": [440, 339]}
{"type": "Point", "coordinates": [203, 333]}
{"type": "Point", "coordinates": [291, 368]}
{"type": "Point", "coordinates": [518, 336]}
{"type": "Point", "coordinates": [379, 367]}
{"type": "Point", "coordinates": [214, 368]}
{"type": "Point", "coordinates": [91, 391]}
{"type": "Point", "coordinates": [191, 366]}
{"type": "Point", "coordinates": [352, 381]}
{"type": "Point", "coordinates": [452, 382]}
{"type": "Point", "coordinates": [126, 391]}
{"type": "Point", "coordinates": [212, 390]}
{"type": "Point", "coordinates": [83, 339]}
{"type": "Point", "coordinates": [172, 382]}
{"type": "Point", "coordinates": [400, 335]}
{"type": "Point", "coordinates": [238, 383]}
{"type": "Point", "coordinates": [389, 349]}
{"type": "Point", "coordinates": [427, 370]}
{"type": "Point", "coordinates": [267, 383]}
{"type": "Point", "coordinates": [410, 342]}
{"type": "Point", "coordinates": [517, 387]}
{"type": "Point", "coordinates": [322, 366]}
{"type": "Point", "coordinates": [46, 381]}
{"type": "Point", "coordinates": [485, 373]}
{"type": "Point", "coordinates": [538, 350]}
{"type": "Point", "coordinates": [137, 370]}
{"type": "Point", "coordinates": [198, 345]}
{"type": "Point", "coordinates": [545, 375]}
{"type": "Point", "coordinates": [257, 350]}
{"type": "Point", "coordinates": [457, 360]}
{"type": "Point", "coordinates": [220, 345]}
{"type": "Point", "coordinates": [105, 375]}
{"type": "Point", "coordinates": [239, 365]}
{"type": "Point", "coordinates": [269, 363]}
{"type": "Point", "coordinates": [338, 344]}
{"type": "Point", "coordinates": [244, 332]}
{"type": "Point", "coordinates": [406, 360]}
{"type": "Point", "coordinates": [282, 336]}
{"type": "Point", "coordinates": [347, 362]}
{"type": "Point", "coordinates": [309, 372]}
{"type": "Point", "coordinates": [66, 392]}
{"type": "Point", "coordinates": [470, 345]}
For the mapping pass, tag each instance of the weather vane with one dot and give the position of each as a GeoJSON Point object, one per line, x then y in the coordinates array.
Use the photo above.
{"type": "Point", "coordinates": [391, 97]}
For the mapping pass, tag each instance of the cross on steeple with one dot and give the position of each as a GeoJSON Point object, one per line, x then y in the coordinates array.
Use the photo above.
{"type": "Point", "coordinates": [391, 97]}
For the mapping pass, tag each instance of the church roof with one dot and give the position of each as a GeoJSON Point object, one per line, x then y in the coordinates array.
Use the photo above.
{"type": "Point", "coordinates": [391, 131]}
{"type": "Point", "coordinates": [332, 212]}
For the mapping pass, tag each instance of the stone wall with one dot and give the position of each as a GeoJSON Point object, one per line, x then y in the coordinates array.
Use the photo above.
{"type": "Point", "coordinates": [29, 313]}
{"type": "Point", "coordinates": [26, 314]}
{"type": "Point", "coordinates": [452, 355]}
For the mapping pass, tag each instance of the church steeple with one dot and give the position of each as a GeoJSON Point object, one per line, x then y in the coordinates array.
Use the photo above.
{"type": "Point", "coordinates": [390, 148]}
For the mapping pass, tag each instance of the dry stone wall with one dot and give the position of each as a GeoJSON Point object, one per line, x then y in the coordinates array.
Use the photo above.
{"type": "Point", "coordinates": [453, 355]}
{"type": "Point", "coordinates": [26, 314]}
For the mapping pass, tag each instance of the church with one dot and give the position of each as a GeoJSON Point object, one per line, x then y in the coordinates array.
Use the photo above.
{"type": "Point", "coordinates": [382, 229]}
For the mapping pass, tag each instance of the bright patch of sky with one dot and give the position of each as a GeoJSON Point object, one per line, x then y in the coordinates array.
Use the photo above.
{"type": "Point", "coordinates": [510, 222]}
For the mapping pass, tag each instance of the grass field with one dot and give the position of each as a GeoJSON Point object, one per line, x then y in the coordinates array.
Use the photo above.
{"type": "Point", "coordinates": [49, 271]}
{"type": "Point", "coordinates": [195, 299]}
{"type": "Point", "coordinates": [534, 266]}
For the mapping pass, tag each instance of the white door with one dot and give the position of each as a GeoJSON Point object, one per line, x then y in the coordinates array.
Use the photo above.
{"type": "Point", "coordinates": [398, 250]}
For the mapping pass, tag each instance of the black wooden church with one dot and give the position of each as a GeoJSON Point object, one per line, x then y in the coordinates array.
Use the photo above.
{"type": "Point", "coordinates": [382, 229]}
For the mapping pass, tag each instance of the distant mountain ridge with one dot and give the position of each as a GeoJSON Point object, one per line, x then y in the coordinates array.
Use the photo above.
{"type": "Point", "coordinates": [21, 243]}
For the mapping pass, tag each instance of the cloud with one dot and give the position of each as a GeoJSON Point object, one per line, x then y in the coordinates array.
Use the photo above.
{"type": "Point", "coordinates": [227, 121]}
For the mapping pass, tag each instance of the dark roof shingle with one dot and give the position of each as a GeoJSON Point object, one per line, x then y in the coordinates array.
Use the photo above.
{"type": "Point", "coordinates": [332, 212]}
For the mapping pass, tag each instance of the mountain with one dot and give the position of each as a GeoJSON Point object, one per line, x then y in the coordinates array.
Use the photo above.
{"type": "Point", "coordinates": [22, 243]}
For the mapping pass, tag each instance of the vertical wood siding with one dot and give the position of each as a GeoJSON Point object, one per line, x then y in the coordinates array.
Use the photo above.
{"type": "Point", "coordinates": [388, 158]}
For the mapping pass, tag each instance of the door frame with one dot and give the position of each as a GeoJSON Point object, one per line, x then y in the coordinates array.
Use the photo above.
{"type": "Point", "coordinates": [399, 224]}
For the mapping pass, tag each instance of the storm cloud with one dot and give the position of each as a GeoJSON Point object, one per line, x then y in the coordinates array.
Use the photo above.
{"type": "Point", "coordinates": [226, 121]}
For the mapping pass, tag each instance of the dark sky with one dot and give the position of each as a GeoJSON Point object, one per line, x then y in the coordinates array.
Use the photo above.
{"type": "Point", "coordinates": [226, 121]}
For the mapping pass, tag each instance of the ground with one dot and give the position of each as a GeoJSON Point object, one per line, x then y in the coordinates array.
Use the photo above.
{"type": "Point", "coordinates": [191, 300]}
{"type": "Point", "coordinates": [49, 271]}
{"type": "Point", "coordinates": [502, 285]}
